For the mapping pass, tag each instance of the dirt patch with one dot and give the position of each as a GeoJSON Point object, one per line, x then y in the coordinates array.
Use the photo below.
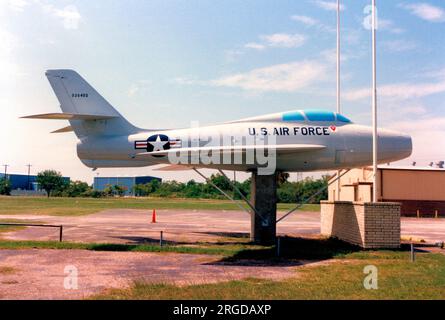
{"type": "Point", "coordinates": [7, 270]}
{"type": "Point", "coordinates": [42, 273]}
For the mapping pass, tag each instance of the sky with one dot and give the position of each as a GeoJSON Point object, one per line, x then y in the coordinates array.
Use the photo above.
{"type": "Point", "coordinates": [166, 64]}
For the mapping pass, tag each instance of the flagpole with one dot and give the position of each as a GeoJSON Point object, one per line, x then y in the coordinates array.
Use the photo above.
{"type": "Point", "coordinates": [338, 83]}
{"type": "Point", "coordinates": [374, 103]}
{"type": "Point", "coordinates": [338, 57]}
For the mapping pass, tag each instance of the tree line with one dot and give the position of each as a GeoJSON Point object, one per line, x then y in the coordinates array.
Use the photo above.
{"type": "Point", "coordinates": [288, 192]}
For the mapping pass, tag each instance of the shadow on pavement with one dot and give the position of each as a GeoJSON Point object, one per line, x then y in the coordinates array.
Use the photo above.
{"type": "Point", "coordinates": [293, 250]}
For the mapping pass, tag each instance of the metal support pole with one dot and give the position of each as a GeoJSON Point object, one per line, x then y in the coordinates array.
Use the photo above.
{"type": "Point", "coordinates": [161, 238]}
{"type": "Point", "coordinates": [374, 103]}
{"type": "Point", "coordinates": [60, 233]}
{"type": "Point", "coordinates": [278, 246]}
{"type": "Point", "coordinates": [313, 196]}
{"type": "Point", "coordinates": [413, 253]}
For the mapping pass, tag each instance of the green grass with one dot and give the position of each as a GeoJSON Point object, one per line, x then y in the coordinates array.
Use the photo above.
{"type": "Point", "coordinates": [343, 279]}
{"type": "Point", "coordinates": [83, 206]}
{"type": "Point", "coordinates": [340, 278]}
{"type": "Point", "coordinates": [199, 248]}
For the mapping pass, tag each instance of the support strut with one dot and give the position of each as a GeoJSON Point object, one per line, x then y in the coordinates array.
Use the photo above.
{"type": "Point", "coordinates": [220, 190]}
{"type": "Point", "coordinates": [314, 195]}
{"type": "Point", "coordinates": [241, 195]}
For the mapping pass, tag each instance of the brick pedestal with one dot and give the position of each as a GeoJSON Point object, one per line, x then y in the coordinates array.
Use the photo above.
{"type": "Point", "coordinates": [368, 225]}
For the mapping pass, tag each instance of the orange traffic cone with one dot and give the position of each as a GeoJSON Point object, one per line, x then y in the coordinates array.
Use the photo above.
{"type": "Point", "coordinates": [153, 216]}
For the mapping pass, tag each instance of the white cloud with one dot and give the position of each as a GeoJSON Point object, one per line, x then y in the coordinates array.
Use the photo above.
{"type": "Point", "coordinates": [399, 45]}
{"type": "Point", "coordinates": [435, 84]}
{"type": "Point", "coordinates": [305, 20]}
{"type": "Point", "coordinates": [17, 5]}
{"type": "Point", "coordinates": [254, 45]}
{"type": "Point", "coordinates": [311, 22]}
{"type": "Point", "coordinates": [422, 130]}
{"type": "Point", "coordinates": [8, 66]}
{"type": "Point", "coordinates": [186, 81]}
{"type": "Point", "coordinates": [437, 74]}
{"type": "Point", "coordinates": [412, 110]}
{"type": "Point", "coordinates": [284, 40]}
{"type": "Point", "coordinates": [426, 11]}
{"type": "Point", "coordinates": [232, 55]}
{"type": "Point", "coordinates": [138, 88]}
{"type": "Point", "coordinates": [385, 24]}
{"type": "Point", "coordinates": [277, 40]}
{"type": "Point", "coordinates": [328, 5]}
{"type": "Point", "coordinates": [399, 91]}
{"type": "Point", "coordinates": [281, 77]}
{"type": "Point", "coordinates": [69, 15]}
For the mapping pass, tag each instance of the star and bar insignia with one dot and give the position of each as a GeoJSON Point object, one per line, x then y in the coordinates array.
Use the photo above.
{"type": "Point", "coordinates": [157, 142]}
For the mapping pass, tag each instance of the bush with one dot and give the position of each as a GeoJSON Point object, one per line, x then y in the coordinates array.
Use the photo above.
{"type": "Point", "coordinates": [93, 194]}
{"type": "Point", "coordinates": [5, 187]}
{"type": "Point", "coordinates": [115, 190]}
{"type": "Point", "coordinates": [76, 189]}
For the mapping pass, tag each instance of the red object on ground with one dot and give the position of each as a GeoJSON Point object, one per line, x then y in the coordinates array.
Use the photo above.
{"type": "Point", "coordinates": [153, 216]}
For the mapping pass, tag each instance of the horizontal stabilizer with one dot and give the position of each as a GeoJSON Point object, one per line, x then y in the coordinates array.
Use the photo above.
{"type": "Point", "coordinates": [280, 149]}
{"type": "Point", "coordinates": [62, 130]}
{"type": "Point", "coordinates": [69, 116]}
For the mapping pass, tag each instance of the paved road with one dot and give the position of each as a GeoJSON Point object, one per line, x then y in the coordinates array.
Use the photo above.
{"type": "Point", "coordinates": [188, 226]}
{"type": "Point", "coordinates": [181, 226]}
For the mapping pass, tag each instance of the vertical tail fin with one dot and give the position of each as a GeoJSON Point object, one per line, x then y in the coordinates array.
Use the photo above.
{"type": "Point", "coordinates": [76, 96]}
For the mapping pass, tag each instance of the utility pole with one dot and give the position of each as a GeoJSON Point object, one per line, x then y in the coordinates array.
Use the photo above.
{"type": "Point", "coordinates": [374, 103]}
{"type": "Point", "coordinates": [29, 172]}
{"type": "Point", "coordinates": [338, 83]}
{"type": "Point", "coordinates": [6, 169]}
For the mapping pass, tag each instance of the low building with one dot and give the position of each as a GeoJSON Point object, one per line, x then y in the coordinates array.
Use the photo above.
{"type": "Point", "coordinates": [420, 190]}
{"type": "Point", "coordinates": [100, 183]}
{"type": "Point", "coordinates": [24, 182]}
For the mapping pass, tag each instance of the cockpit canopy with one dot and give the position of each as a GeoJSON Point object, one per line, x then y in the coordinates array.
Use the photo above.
{"type": "Point", "coordinates": [308, 115]}
{"type": "Point", "coordinates": [314, 115]}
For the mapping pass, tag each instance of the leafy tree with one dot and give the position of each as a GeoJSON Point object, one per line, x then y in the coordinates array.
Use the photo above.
{"type": "Point", "coordinates": [91, 193]}
{"type": "Point", "coordinates": [50, 180]}
{"type": "Point", "coordinates": [119, 190]}
{"type": "Point", "coordinates": [5, 187]}
{"type": "Point", "coordinates": [221, 181]}
{"type": "Point", "coordinates": [297, 192]}
{"type": "Point", "coordinates": [142, 190]}
{"type": "Point", "coordinates": [154, 185]}
{"type": "Point", "coordinates": [169, 188]}
{"type": "Point", "coordinates": [115, 190]}
{"type": "Point", "coordinates": [282, 177]}
{"type": "Point", "coordinates": [76, 189]}
{"type": "Point", "coordinates": [193, 189]}
{"type": "Point", "coordinates": [109, 191]}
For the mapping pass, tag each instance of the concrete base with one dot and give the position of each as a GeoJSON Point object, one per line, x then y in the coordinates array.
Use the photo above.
{"type": "Point", "coordinates": [264, 199]}
{"type": "Point", "coordinates": [368, 225]}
